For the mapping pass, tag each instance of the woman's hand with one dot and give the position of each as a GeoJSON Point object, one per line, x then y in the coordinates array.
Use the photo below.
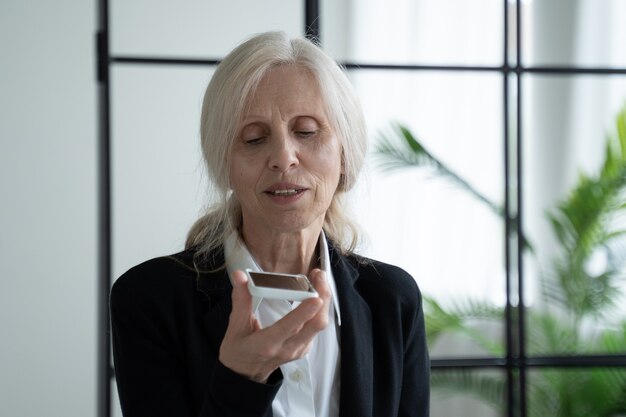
{"type": "Point", "coordinates": [256, 353]}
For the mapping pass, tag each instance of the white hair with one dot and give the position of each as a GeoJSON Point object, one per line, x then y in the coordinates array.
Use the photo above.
{"type": "Point", "coordinates": [235, 80]}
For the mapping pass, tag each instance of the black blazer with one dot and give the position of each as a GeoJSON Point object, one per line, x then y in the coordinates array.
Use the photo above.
{"type": "Point", "coordinates": [168, 322]}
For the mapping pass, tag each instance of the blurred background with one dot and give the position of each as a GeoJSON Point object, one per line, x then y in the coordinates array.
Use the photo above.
{"type": "Point", "coordinates": [515, 110]}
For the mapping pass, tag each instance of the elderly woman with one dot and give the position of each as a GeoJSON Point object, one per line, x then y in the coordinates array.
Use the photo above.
{"type": "Point", "coordinates": [283, 137]}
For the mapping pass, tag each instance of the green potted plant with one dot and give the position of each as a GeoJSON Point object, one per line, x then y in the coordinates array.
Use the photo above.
{"type": "Point", "coordinates": [574, 296]}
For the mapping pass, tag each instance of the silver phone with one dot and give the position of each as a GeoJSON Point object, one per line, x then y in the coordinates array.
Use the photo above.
{"type": "Point", "coordinates": [292, 287]}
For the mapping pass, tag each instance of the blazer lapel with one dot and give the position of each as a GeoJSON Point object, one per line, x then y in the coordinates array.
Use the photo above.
{"type": "Point", "coordinates": [217, 288]}
{"type": "Point", "coordinates": [356, 342]}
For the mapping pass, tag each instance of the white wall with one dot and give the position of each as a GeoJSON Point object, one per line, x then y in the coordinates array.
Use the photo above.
{"type": "Point", "coordinates": [47, 208]}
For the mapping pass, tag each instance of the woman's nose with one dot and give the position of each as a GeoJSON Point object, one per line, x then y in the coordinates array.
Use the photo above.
{"type": "Point", "coordinates": [283, 153]}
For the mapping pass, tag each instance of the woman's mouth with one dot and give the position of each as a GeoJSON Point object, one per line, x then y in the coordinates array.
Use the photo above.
{"type": "Point", "coordinates": [286, 192]}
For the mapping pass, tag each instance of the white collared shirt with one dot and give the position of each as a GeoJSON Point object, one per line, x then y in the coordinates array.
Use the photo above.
{"type": "Point", "coordinates": [311, 384]}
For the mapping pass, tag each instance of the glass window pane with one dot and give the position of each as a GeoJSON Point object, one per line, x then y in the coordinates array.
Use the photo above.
{"type": "Point", "coordinates": [414, 31]}
{"type": "Point", "coordinates": [575, 286]}
{"type": "Point", "coordinates": [417, 218]}
{"type": "Point", "coordinates": [158, 184]}
{"type": "Point", "coordinates": [468, 393]}
{"type": "Point", "coordinates": [576, 392]}
{"type": "Point", "coordinates": [197, 28]}
{"type": "Point", "coordinates": [580, 33]}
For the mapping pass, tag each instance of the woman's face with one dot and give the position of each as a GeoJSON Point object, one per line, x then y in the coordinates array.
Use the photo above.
{"type": "Point", "coordinates": [286, 159]}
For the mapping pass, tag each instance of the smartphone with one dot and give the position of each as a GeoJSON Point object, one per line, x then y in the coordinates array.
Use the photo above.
{"type": "Point", "coordinates": [280, 286]}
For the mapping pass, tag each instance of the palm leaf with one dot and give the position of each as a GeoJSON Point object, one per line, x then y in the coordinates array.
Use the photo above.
{"type": "Point", "coordinates": [398, 149]}
{"type": "Point", "coordinates": [457, 319]}
{"type": "Point", "coordinates": [489, 389]}
{"type": "Point", "coordinates": [576, 393]}
{"type": "Point", "coordinates": [547, 334]}
{"type": "Point", "coordinates": [583, 222]}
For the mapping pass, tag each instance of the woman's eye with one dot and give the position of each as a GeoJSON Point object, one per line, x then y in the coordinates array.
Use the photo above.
{"type": "Point", "coordinates": [254, 141]}
{"type": "Point", "coordinates": [253, 134]}
{"type": "Point", "coordinates": [305, 133]}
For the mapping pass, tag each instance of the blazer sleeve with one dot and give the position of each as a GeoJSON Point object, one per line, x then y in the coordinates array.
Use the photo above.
{"type": "Point", "coordinates": [415, 394]}
{"type": "Point", "coordinates": [152, 380]}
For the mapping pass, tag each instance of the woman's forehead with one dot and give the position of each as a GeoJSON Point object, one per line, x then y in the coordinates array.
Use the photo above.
{"type": "Point", "coordinates": [289, 90]}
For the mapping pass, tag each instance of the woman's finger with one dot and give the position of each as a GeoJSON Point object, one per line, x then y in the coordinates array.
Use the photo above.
{"type": "Point", "coordinates": [320, 320]}
{"type": "Point", "coordinates": [241, 314]}
{"type": "Point", "coordinates": [293, 322]}
{"type": "Point", "coordinates": [318, 279]}
{"type": "Point", "coordinates": [297, 329]}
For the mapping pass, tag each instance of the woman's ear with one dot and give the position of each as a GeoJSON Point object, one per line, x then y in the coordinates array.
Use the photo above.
{"type": "Point", "coordinates": [342, 182]}
{"type": "Point", "coordinates": [342, 173]}
{"type": "Point", "coordinates": [343, 177]}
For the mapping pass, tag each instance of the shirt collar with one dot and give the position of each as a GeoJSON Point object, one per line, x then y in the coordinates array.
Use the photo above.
{"type": "Point", "coordinates": [238, 256]}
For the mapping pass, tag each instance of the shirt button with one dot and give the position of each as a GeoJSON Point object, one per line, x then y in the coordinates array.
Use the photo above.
{"type": "Point", "coordinates": [297, 375]}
